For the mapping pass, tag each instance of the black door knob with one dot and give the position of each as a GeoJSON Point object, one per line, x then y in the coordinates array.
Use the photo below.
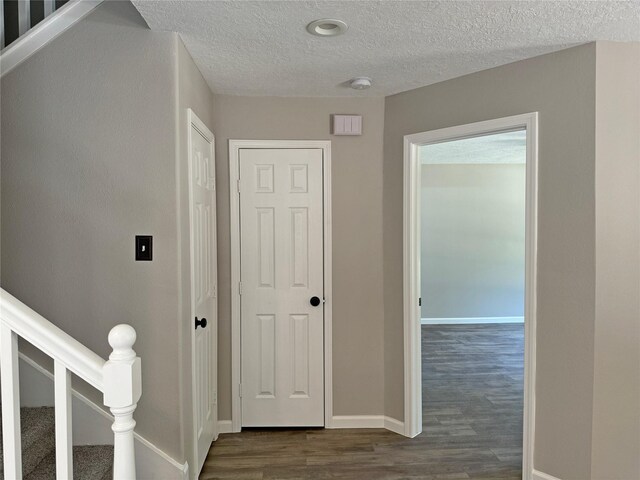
{"type": "Point", "coordinates": [201, 323]}
{"type": "Point", "coordinates": [315, 301]}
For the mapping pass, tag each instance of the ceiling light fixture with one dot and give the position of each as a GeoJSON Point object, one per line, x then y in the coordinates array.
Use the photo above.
{"type": "Point", "coordinates": [360, 83]}
{"type": "Point", "coordinates": [327, 27]}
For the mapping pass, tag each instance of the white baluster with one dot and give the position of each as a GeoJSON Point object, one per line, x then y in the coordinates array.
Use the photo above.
{"type": "Point", "coordinates": [1, 25]}
{"type": "Point", "coordinates": [64, 443]}
{"type": "Point", "coordinates": [122, 390]}
{"type": "Point", "coordinates": [24, 16]}
{"type": "Point", "coordinates": [49, 7]}
{"type": "Point", "coordinates": [10, 403]}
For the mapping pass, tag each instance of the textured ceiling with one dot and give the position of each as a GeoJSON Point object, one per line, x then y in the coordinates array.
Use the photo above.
{"type": "Point", "coordinates": [508, 147]}
{"type": "Point", "coordinates": [262, 47]}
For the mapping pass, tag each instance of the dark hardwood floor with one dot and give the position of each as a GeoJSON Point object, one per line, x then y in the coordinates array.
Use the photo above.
{"type": "Point", "coordinates": [472, 417]}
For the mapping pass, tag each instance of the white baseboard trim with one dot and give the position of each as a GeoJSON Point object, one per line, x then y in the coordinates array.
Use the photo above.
{"type": "Point", "coordinates": [357, 421]}
{"type": "Point", "coordinates": [393, 425]}
{"type": "Point", "coordinates": [92, 424]}
{"type": "Point", "coordinates": [470, 320]}
{"type": "Point", "coordinates": [367, 421]}
{"type": "Point", "coordinates": [536, 475]}
{"type": "Point", "coordinates": [225, 426]}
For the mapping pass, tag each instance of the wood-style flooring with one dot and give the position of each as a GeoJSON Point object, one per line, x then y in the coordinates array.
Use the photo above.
{"type": "Point", "coordinates": [472, 417]}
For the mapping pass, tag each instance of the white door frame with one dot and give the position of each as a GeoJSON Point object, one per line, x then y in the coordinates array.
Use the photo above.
{"type": "Point", "coordinates": [236, 348]}
{"type": "Point", "coordinates": [411, 261]}
{"type": "Point", "coordinates": [195, 122]}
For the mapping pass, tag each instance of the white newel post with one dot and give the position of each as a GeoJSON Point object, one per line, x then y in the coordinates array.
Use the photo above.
{"type": "Point", "coordinates": [122, 390]}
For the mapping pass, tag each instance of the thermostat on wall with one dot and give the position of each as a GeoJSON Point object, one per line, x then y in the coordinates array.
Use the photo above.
{"type": "Point", "coordinates": [346, 124]}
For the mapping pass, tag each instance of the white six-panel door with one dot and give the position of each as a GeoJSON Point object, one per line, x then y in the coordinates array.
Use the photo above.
{"type": "Point", "coordinates": [204, 286]}
{"type": "Point", "coordinates": [281, 230]}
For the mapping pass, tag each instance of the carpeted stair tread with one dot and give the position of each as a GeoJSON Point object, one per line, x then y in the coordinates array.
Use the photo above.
{"type": "Point", "coordinates": [38, 436]}
{"type": "Point", "coordinates": [92, 462]}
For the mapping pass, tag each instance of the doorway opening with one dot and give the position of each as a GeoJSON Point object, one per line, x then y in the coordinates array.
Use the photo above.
{"type": "Point", "coordinates": [469, 258]}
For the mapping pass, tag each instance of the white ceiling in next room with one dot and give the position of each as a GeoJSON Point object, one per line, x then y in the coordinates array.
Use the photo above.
{"type": "Point", "coordinates": [505, 147]}
{"type": "Point", "coordinates": [263, 47]}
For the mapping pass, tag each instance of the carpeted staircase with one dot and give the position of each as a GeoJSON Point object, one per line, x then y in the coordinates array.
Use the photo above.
{"type": "Point", "coordinates": [92, 462]}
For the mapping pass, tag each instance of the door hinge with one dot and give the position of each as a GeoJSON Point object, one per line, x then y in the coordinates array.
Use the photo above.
{"type": "Point", "coordinates": [215, 398]}
{"type": "Point", "coordinates": [239, 288]}
{"type": "Point", "coordinates": [238, 184]}
{"type": "Point", "coordinates": [240, 390]}
{"type": "Point", "coordinates": [420, 302]}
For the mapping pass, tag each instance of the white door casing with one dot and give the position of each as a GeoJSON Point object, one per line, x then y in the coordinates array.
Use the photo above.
{"type": "Point", "coordinates": [411, 267]}
{"type": "Point", "coordinates": [281, 249]}
{"type": "Point", "coordinates": [234, 201]}
{"type": "Point", "coordinates": [204, 308]}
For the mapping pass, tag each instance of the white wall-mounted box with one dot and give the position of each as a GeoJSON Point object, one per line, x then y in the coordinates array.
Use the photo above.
{"type": "Point", "coordinates": [346, 124]}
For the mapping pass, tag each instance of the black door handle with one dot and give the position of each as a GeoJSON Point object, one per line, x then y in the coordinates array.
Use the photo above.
{"type": "Point", "coordinates": [201, 323]}
{"type": "Point", "coordinates": [314, 301]}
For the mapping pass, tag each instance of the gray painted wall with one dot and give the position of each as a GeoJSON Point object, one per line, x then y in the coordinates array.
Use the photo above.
{"type": "Point", "coordinates": [89, 159]}
{"type": "Point", "coordinates": [358, 379]}
{"type": "Point", "coordinates": [561, 87]}
{"type": "Point", "coordinates": [472, 237]}
{"type": "Point", "coordinates": [588, 362]}
{"type": "Point", "coordinates": [616, 390]}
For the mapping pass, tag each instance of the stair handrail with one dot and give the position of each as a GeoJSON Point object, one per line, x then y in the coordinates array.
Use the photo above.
{"type": "Point", "coordinates": [118, 378]}
{"type": "Point", "coordinates": [33, 38]}
{"type": "Point", "coordinates": [48, 338]}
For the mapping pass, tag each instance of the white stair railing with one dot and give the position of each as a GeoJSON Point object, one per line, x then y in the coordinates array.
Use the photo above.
{"type": "Point", "coordinates": [119, 379]}
{"type": "Point", "coordinates": [24, 17]}
{"type": "Point", "coordinates": [32, 37]}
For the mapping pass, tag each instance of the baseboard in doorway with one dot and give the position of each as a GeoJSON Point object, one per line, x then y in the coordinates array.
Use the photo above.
{"type": "Point", "coordinates": [367, 421]}
{"type": "Point", "coordinates": [470, 320]}
{"type": "Point", "coordinates": [393, 425]}
{"type": "Point", "coordinates": [536, 475]}
{"type": "Point", "coordinates": [224, 426]}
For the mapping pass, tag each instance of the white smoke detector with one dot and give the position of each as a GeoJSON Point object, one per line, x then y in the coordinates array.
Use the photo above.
{"type": "Point", "coordinates": [360, 83]}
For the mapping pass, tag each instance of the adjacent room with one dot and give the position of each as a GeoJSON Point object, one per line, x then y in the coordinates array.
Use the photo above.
{"type": "Point", "coordinates": [472, 298]}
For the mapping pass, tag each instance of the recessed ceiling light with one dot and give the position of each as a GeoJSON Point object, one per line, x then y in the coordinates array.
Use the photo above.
{"type": "Point", "coordinates": [360, 83]}
{"type": "Point", "coordinates": [327, 27]}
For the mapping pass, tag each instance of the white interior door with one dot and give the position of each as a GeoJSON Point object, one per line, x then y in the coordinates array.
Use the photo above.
{"type": "Point", "coordinates": [203, 286]}
{"type": "Point", "coordinates": [281, 225]}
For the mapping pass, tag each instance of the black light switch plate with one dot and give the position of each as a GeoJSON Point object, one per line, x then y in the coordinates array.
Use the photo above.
{"type": "Point", "coordinates": [144, 248]}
